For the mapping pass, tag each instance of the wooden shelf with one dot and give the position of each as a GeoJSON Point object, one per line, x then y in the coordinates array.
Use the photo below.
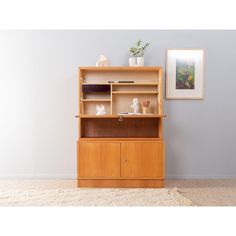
{"type": "Point", "coordinates": [123, 84]}
{"type": "Point", "coordinates": [122, 116]}
{"type": "Point", "coordinates": [134, 92]}
{"type": "Point", "coordinates": [96, 83]}
{"type": "Point", "coordinates": [135, 84]}
{"type": "Point", "coordinates": [120, 139]}
{"type": "Point", "coordinates": [96, 100]}
{"type": "Point", "coordinates": [121, 69]}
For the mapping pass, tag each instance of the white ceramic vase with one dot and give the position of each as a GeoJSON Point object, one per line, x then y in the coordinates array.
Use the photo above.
{"type": "Point", "coordinates": [140, 61]}
{"type": "Point", "coordinates": [132, 61]}
{"type": "Point", "coordinates": [102, 61]}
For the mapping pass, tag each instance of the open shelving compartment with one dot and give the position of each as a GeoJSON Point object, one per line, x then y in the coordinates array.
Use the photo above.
{"type": "Point", "coordinates": [103, 86]}
{"type": "Point", "coordinates": [120, 128]}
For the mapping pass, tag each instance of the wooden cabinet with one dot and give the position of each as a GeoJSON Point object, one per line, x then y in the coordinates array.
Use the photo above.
{"type": "Point", "coordinates": [120, 148]}
{"type": "Point", "coordinates": [121, 160]}
{"type": "Point", "coordinates": [142, 160]}
{"type": "Point", "coordinates": [99, 160]}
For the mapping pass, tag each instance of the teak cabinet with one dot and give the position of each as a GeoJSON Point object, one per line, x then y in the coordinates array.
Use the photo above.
{"type": "Point", "coordinates": [99, 160]}
{"type": "Point", "coordinates": [142, 159]}
{"type": "Point", "coordinates": [115, 149]}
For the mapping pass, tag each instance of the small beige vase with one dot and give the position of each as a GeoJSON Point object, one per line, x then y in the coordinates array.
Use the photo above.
{"type": "Point", "coordinates": [145, 110]}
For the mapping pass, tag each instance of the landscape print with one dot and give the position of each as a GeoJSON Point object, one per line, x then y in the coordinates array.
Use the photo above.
{"type": "Point", "coordinates": [185, 73]}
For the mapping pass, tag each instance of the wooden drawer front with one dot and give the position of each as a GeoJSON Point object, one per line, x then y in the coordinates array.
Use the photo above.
{"type": "Point", "coordinates": [99, 159]}
{"type": "Point", "coordinates": [142, 160]}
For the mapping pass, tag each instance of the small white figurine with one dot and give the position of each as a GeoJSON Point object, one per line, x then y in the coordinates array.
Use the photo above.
{"type": "Point", "coordinates": [102, 61]}
{"type": "Point", "coordinates": [100, 110]}
{"type": "Point", "coordinates": [135, 106]}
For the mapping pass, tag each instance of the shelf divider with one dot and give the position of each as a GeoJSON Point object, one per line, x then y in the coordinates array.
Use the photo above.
{"type": "Point", "coordinates": [96, 100]}
{"type": "Point", "coordinates": [135, 92]}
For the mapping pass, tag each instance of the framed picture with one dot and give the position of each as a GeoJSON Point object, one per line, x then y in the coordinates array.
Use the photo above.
{"type": "Point", "coordinates": [185, 73]}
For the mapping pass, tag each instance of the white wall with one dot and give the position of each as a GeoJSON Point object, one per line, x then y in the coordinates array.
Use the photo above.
{"type": "Point", "coordinates": [38, 100]}
{"type": "Point", "coordinates": [37, 104]}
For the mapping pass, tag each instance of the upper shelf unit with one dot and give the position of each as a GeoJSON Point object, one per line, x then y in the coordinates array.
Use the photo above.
{"type": "Point", "coordinates": [116, 87]}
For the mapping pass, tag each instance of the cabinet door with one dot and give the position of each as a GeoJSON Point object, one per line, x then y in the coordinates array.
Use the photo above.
{"type": "Point", "coordinates": [99, 159]}
{"type": "Point", "coordinates": [142, 160]}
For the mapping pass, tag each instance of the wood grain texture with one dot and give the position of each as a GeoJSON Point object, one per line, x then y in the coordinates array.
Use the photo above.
{"type": "Point", "coordinates": [142, 159]}
{"type": "Point", "coordinates": [80, 103]}
{"type": "Point", "coordinates": [118, 116]}
{"type": "Point", "coordinates": [160, 92]}
{"type": "Point", "coordinates": [116, 150]}
{"type": "Point", "coordinates": [124, 128]}
{"type": "Point", "coordinates": [99, 159]}
{"type": "Point", "coordinates": [135, 92]}
{"type": "Point", "coordinates": [120, 183]}
{"type": "Point", "coordinates": [119, 139]}
{"type": "Point", "coordinates": [120, 69]}
{"type": "Point", "coordinates": [96, 100]}
{"type": "Point", "coordinates": [104, 76]}
{"type": "Point", "coordinates": [123, 84]}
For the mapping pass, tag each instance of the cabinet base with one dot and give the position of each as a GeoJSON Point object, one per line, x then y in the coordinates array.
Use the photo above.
{"type": "Point", "coordinates": [120, 183]}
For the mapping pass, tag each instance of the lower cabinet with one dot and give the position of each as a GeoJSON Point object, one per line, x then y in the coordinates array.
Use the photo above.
{"type": "Point", "coordinates": [98, 160]}
{"type": "Point", "coordinates": [121, 160]}
{"type": "Point", "coordinates": [143, 160]}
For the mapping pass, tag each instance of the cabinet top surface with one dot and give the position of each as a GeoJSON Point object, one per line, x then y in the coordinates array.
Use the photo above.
{"type": "Point", "coordinates": [121, 68]}
{"type": "Point", "coordinates": [121, 116]}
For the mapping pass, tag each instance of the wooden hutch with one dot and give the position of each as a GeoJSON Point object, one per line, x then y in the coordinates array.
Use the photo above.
{"type": "Point", "coordinates": [120, 149]}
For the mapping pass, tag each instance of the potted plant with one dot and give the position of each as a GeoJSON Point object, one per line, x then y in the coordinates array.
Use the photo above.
{"type": "Point", "coordinates": [138, 53]}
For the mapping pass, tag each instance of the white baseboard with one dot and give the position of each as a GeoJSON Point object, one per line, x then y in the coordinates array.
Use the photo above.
{"type": "Point", "coordinates": [200, 176]}
{"type": "Point", "coordinates": [74, 177]}
{"type": "Point", "coordinates": [40, 176]}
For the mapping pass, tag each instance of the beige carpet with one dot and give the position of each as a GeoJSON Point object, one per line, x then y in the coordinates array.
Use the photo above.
{"type": "Point", "coordinates": [220, 192]}
{"type": "Point", "coordinates": [93, 197]}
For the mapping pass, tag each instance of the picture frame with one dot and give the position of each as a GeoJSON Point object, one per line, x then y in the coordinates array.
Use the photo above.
{"type": "Point", "coordinates": [185, 73]}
